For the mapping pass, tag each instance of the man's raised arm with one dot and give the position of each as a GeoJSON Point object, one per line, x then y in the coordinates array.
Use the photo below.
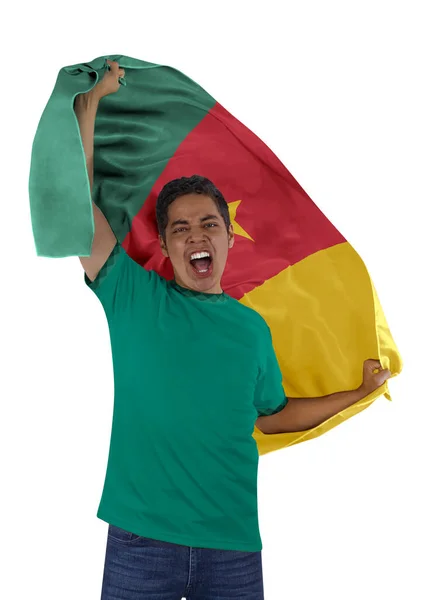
{"type": "Point", "coordinates": [85, 107]}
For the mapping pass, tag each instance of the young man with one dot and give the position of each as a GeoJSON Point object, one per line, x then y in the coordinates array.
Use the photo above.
{"type": "Point", "coordinates": [194, 371]}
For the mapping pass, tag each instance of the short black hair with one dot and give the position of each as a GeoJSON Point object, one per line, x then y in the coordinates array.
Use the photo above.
{"type": "Point", "coordinates": [196, 184]}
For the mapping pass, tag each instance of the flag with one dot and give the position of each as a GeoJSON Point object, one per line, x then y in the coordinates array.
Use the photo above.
{"type": "Point", "coordinates": [289, 262]}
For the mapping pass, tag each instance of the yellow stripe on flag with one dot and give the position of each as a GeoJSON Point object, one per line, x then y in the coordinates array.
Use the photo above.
{"type": "Point", "coordinates": [325, 320]}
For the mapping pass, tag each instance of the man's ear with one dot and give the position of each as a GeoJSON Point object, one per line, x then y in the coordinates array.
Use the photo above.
{"type": "Point", "coordinates": [163, 246]}
{"type": "Point", "coordinates": [231, 236]}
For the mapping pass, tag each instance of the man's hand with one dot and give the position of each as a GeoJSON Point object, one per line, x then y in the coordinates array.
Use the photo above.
{"type": "Point", "coordinates": [373, 376]}
{"type": "Point", "coordinates": [109, 84]}
{"type": "Point", "coordinates": [86, 105]}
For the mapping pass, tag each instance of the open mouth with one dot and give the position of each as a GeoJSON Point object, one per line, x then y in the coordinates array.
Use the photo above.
{"type": "Point", "coordinates": [201, 263]}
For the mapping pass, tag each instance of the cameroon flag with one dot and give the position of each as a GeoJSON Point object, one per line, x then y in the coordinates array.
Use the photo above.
{"type": "Point", "coordinates": [289, 262]}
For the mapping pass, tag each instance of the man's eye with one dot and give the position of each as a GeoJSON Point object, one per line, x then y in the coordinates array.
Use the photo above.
{"type": "Point", "coordinates": [179, 230]}
{"type": "Point", "coordinates": [210, 224]}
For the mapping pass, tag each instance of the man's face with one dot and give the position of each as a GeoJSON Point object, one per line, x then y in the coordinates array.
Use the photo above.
{"type": "Point", "coordinates": [197, 243]}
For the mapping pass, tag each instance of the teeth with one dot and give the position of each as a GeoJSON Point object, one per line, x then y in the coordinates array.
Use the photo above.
{"type": "Point", "coordinates": [196, 255]}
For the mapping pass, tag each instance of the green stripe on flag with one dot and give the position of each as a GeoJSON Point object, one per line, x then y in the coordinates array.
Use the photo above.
{"type": "Point", "coordinates": [137, 131]}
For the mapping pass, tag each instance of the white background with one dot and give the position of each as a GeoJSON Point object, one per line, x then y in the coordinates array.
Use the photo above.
{"type": "Point", "coordinates": [338, 91]}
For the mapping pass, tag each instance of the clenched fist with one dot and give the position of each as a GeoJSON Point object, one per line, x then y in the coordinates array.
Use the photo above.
{"type": "Point", "coordinates": [109, 84]}
{"type": "Point", "coordinates": [373, 376]}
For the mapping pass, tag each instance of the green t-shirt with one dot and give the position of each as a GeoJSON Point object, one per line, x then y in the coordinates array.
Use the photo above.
{"type": "Point", "coordinates": [192, 373]}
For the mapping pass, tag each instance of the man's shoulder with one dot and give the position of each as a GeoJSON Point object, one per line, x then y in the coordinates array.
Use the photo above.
{"type": "Point", "coordinates": [137, 268]}
{"type": "Point", "coordinates": [123, 272]}
{"type": "Point", "coordinates": [250, 315]}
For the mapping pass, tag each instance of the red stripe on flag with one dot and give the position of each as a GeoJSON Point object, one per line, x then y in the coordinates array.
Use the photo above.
{"type": "Point", "coordinates": [275, 211]}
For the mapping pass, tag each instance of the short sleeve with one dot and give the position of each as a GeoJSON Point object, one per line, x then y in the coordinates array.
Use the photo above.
{"type": "Point", "coordinates": [121, 282]}
{"type": "Point", "coordinates": [270, 397]}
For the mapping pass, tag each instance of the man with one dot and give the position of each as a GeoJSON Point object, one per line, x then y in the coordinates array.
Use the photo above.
{"type": "Point", "coordinates": [194, 371]}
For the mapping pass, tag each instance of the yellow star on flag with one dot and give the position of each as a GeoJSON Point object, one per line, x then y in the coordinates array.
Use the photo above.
{"type": "Point", "coordinates": [233, 207]}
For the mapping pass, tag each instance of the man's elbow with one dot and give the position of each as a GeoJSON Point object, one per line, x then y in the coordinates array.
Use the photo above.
{"type": "Point", "coordinates": [288, 420]}
{"type": "Point", "coordinates": [266, 425]}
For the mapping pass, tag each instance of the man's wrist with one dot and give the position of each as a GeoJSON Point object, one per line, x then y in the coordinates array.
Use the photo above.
{"type": "Point", "coordinates": [363, 391]}
{"type": "Point", "coordinates": [87, 103]}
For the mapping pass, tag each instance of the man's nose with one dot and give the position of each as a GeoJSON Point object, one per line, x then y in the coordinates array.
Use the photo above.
{"type": "Point", "coordinates": [196, 235]}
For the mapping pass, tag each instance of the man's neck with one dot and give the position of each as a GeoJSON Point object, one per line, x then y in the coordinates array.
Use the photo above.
{"type": "Point", "coordinates": [215, 289]}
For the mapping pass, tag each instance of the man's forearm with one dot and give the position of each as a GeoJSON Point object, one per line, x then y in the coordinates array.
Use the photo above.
{"type": "Point", "coordinates": [85, 107]}
{"type": "Point", "coordinates": [301, 414]}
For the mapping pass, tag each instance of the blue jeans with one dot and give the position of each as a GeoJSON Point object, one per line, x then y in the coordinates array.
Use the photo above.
{"type": "Point", "coordinates": [139, 568]}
